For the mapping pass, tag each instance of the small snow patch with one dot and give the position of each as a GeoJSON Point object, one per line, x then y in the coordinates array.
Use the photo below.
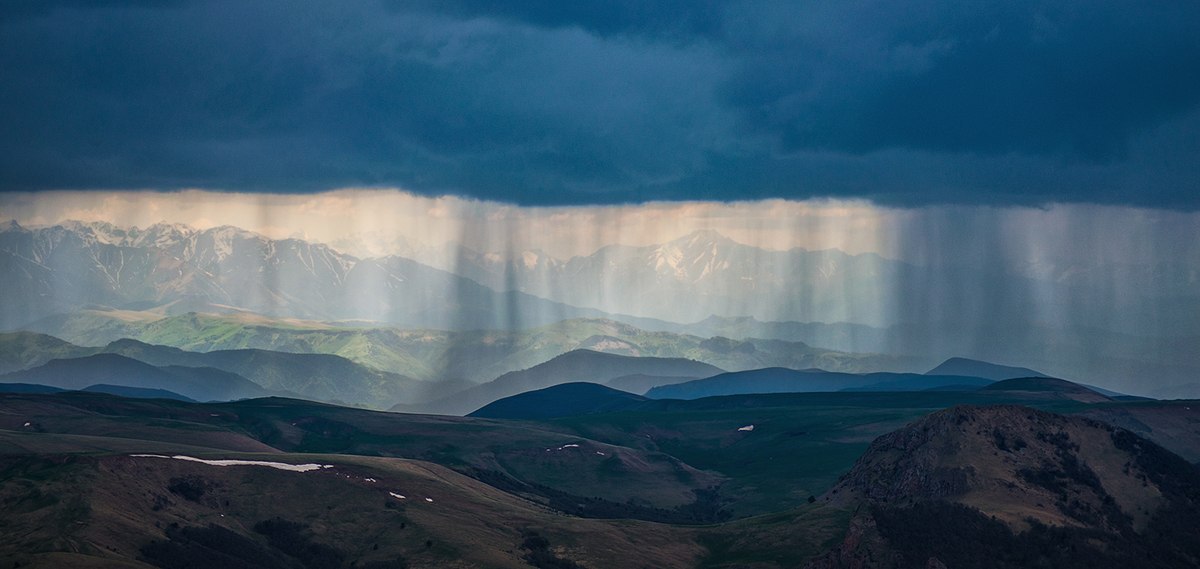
{"type": "Point", "coordinates": [747, 428]}
{"type": "Point", "coordinates": [398, 496]}
{"type": "Point", "coordinates": [599, 453]}
{"type": "Point", "coordinates": [276, 465]}
{"type": "Point", "coordinates": [428, 499]}
{"type": "Point", "coordinates": [369, 479]}
{"type": "Point", "coordinates": [27, 424]}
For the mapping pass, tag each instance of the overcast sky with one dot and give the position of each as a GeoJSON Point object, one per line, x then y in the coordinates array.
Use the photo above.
{"type": "Point", "coordinates": [552, 103]}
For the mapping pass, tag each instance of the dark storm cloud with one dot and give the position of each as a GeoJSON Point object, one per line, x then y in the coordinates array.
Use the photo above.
{"type": "Point", "coordinates": [585, 102]}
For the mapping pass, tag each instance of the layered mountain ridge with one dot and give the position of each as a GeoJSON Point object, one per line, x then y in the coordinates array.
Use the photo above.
{"type": "Point", "coordinates": [717, 286]}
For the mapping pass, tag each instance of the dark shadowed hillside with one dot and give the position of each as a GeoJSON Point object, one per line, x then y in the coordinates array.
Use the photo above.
{"type": "Point", "coordinates": [78, 510]}
{"type": "Point", "coordinates": [1173, 424]}
{"type": "Point", "coordinates": [575, 366]}
{"type": "Point", "coordinates": [201, 384]}
{"type": "Point", "coordinates": [563, 400]}
{"type": "Point", "coordinates": [781, 380]}
{"type": "Point", "coordinates": [323, 377]}
{"type": "Point", "coordinates": [977, 368]}
{"type": "Point", "coordinates": [1049, 388]}
{"type": "Point", "coordinates": [1010, 486]}
{"type": "Point", "coordinates": [641, 383]}
{"type": "Point", "coordinates": [136, 392]}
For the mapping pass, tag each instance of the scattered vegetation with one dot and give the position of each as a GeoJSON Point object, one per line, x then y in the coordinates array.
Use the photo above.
{"type": "Point", "coordinates": [295, 540]}
{"type": "Point", "coordinates": [189, 487]}
{"type": "Point", "coordinates": [706, 509]}
{"type": "Point", "coordinates": [211, 546]}
{"type": "Point", "coordinates": [538, 553]}
{"type": "Point", "coordinates": [290, 546]}
{"type": "Point", "coordinates": [965, 538]}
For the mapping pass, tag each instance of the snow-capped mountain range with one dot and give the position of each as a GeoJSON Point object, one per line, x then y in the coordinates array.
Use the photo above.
{"type": "Point", "coordinates": [175, 268]}
{"type": "Point", "coordinates": [179, 268]}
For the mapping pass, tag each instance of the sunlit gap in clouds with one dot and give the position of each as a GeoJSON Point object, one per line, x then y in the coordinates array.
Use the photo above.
{"type": "Point", "coordinates": [1073, 288]}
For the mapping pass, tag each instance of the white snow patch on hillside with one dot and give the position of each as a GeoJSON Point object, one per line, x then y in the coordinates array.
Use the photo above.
{"type": "Point", "coordinates": [230, 462]}
{"type": "Point", "coordinates": [747, 428]}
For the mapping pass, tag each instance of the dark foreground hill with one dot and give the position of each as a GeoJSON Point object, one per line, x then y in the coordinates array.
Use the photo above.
{"type": "Point", "coordinates": [144, 512]}
{"type": "Point", "coordinates": [1010, 486]}
{"type": "Point", "coordinates": [559, 401]}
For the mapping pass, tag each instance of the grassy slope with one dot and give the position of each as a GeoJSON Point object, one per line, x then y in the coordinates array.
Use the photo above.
{"type": "Point", "coordinates": [23, 350]}
{"type": "Point", "coordinates": [657, 457]}
{"type": "Point", "coordinates": [111, 507]}
{"type": "Point", "coordinates": [516, 451]}
{"type": "Point", "coordinates": [800, 445]}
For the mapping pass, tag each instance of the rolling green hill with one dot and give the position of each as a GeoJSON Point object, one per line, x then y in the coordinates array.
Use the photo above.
{"type": "Point", "coordinates": [475, 356]}
{"type": "Point", "coordinates": [322, 377]}
{"type": "Point", "coordinates": [24, 350]}
{"type": "Point", "coordinates": [574, 366]}
{"type": "Point", "coordinates": [197, 383]}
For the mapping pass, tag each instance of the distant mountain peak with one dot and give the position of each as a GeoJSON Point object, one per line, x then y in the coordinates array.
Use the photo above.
{"type": "Point", "coordinates": [979, 368]}
{"type": "Point", "coordinates": [163, 225]}
{"type": "Point", "coordinates": [701, 237]}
